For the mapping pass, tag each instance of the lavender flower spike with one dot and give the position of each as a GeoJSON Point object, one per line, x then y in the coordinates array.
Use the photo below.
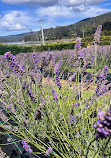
{"type": "Point", "coordinates": [72, 119]}
{"type": "Point", "coordinates": [97, 34]}
{"type": "Point", "coordinates": [32, 96]}
{"type": "Point", "coordinates": [103, 127]}
{"type": "Point", "coordinates": [57, 69]}
{"type": "Point", "coordinates": [26, 147]}
{"type": "Point", "coordinates": [78, 44]}
{"type": "Point", "coordinates": [13, 64]}
{"type": "Point", "coordinates": [54, 95]}
{"type": "Point", "coordinates": [48, 151]}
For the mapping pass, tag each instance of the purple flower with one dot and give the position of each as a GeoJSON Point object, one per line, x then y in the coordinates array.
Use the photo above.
{"type": "Point", "coordinates": [82, 54]}
{"type": "Point", "coordinates": [57, 70]}
{"type": "Point", "coordinates": [103, 127]}
{"type": "Point", "coordinates": [32, 96]}
{"type": "Point", "coordinates": [71, 59]}
{"type": "Point", "coordinates": [100, 114]}
{"type": "Point", "coordinates": [97, 34]}
{"type": "Point", "coordinates": [78, 44]}
{"type": "Point", "coordinates": [25, 121]}
{"type": "Point", "coordinates": [48, 151]}
{"type": "Point", "coordinates": [101, 83]}
{"type": "Point", "coordinates": [72, 119]}
{"type": "Point", "coordinates": [57, 81]}
{"type": "Point", "coordinates": [32, 79]}
{"type": "Point", "coordinates": [35, 61]}
{"type": "Point", "coordinates": [58, 67]}
{"type": "Point", "coordinates": [26, 147]}
{"type": "Point", "coordinates": [13, 64]}
{"type": "Point", "coordinates": [44, 63]}
{"type": "Point", "coordinates": [79, 150]}
{"type": "Point", "coordinates": [54, 95]}
{"type": "Point", "coordinates": [104, 72]}
{"type": "Point", "coordinates": [11, 107]}
{"type": "Point", "coordinates": [74, 106]}
{"type": "Point", "coordinates": [106, 67]}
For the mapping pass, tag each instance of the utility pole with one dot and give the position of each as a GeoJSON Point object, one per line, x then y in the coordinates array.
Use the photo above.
{"type": "Point", "coordinates": [42, 32]}
{"type": "Point", "coordinates": [31, 31]}
{"type": "Point", "coordinates": [83, 33]}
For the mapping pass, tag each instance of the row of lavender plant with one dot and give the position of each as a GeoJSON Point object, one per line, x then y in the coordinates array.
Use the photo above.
{"type": "Point", "coordinates": [56, 120]}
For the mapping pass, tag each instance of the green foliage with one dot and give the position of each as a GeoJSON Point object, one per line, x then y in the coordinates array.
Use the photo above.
{"type": "Point", "coordinates": [88, 39]}
{"type": "Point", "coordinates": [15, 49]}
{"type": "Point", "coordinates": [105, 40]}
{"type": "Point", "coordinates": [59, 46]}
{"type": "Point", "coordinates": [65, 123]}
{"type": "Point", "coordinates": [106, 33]}
{"type": "Point", "coordinates": [54, 124]}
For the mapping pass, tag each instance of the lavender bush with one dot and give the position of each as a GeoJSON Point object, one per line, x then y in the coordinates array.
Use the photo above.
{"type": "Point", "coordinates": [53, 117]}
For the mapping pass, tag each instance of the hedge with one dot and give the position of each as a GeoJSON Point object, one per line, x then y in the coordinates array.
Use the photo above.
{"type": "Point", "coordinates": [15, 49]}
{"type": "Point", "coordinates": [60, 46]}
{"type": "Point", "coordinates": [104, 43]}
{"type": "Point", "coordinates": [105, 40]}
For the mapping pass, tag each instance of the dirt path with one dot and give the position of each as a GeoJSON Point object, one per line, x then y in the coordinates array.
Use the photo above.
{"type": "Point", "coordinates": [67, 84]}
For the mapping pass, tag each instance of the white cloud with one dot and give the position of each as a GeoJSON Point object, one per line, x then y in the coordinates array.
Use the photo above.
{"type": "Point", "coordinates": [55, 11]}
{"type": "Point", "coordinates": [38, 2]}
{"type": "Point", "coordinates": [80, 5]}
{"type": "Point", "coordinates": [71, 12]}
{"type": "Point", "coordinates": [80, 2]}
{"type": "Point", "coordinates": [80, 8]}
{"type": "Point", "coordinates": [53, 14]}
{"type": "Point", "coordinates": [67, 3]}
{"type": "Point", "coordinates": [15, 27]}
{"type": "Point", "coordinates": [18, 27]}
{"type": "Point", "coordinates": [14, 20]}
{"type": "Point", "coordinates": [95, 11]}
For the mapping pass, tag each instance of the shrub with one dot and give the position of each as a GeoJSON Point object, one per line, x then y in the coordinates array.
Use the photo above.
{"type": "Point", "coordinates": [15, 49]}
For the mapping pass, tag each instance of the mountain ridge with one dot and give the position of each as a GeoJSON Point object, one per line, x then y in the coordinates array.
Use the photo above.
{"type": "Point", "coordinates": [87, 25]}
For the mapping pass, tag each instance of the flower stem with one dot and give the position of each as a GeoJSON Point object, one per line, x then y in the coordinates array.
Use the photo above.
{"type": "Point", "coordinates": [105, 146]}
{"type": "Point", "coordinates": [89, 147]}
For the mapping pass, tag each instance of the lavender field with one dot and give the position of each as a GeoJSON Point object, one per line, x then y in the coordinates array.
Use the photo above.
{"type": "Point", "coordinates": [58, 104]}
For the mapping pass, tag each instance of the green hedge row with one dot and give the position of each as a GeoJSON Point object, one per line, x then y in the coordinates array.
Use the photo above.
{"type": "Point", "coordinates": [104, 43]}
{"type": "Point", "coordinates": [15, 49]}
{"type": "Point", "coordinates": [60, 46]}
{"type": "Point", "coordinates": [105, 40]}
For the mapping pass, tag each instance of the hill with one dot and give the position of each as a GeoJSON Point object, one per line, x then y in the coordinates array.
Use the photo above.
{"type": "Point", "coordinates": [87, 25]}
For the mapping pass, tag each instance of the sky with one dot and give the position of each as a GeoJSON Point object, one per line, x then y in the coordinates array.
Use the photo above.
{"type": "Point", "coordinates": [19, 16]}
